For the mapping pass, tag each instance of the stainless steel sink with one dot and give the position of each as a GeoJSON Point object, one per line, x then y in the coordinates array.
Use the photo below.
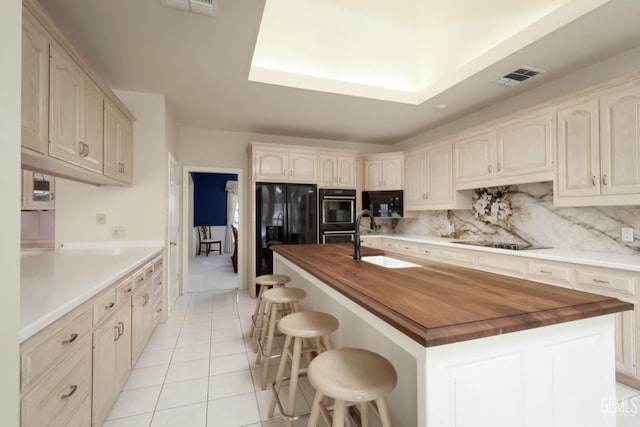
{"type": "Point", "coordinates": [387, 262]}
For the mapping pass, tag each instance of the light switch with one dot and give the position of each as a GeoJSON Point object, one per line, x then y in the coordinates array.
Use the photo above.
{"type": "Point", "coordinates": [101, 218]}
{"type": "Point", "coordinates": [117, 232]}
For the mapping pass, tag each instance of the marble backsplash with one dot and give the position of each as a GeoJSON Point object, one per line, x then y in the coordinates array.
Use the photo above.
{"type": "Point", "coordinates": [526, 215]}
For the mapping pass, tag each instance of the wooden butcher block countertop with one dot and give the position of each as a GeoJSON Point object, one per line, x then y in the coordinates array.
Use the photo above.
{"type": "Point", "coordinates": [437, 304]}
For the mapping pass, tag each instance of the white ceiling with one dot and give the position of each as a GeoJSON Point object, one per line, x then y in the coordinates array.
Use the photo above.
{"type": "Point", "coordinates": [202, 65]}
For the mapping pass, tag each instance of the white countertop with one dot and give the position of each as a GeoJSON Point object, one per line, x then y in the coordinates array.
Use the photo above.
{"type": "Point", "coordinates": [54, 283]}
{"type": "Point", "coordinates": [595, 259]}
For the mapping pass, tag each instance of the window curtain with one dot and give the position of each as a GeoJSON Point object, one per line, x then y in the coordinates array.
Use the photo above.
{"type": "Point", "coordinates": [232, 204]}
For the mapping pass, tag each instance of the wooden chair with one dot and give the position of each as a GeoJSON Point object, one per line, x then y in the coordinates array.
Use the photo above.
{"type": "Point", "coordinates": [234, 257]}
{"type": "Point", "coordinates": [204, 233]}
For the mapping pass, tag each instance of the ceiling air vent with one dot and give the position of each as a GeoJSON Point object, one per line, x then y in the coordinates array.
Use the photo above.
{"type": "Point", "coordinates": [518, 76]}
{"type": "Point", "coordinates": [204, 7]}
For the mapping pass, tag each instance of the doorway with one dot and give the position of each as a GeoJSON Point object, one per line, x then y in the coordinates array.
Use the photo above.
{"type": "Point", "coordinates": [208, 200]}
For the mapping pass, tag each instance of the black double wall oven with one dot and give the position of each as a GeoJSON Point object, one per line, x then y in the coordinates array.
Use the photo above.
{"type": "Point", "coordinates": [337, 215]}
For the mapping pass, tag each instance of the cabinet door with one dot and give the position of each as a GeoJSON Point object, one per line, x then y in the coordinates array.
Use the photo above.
{"type": "Point", "coordinates": [525, 146]}
{"type": "Point", "coordinates": [392, 173]}
{"type": "Point", "coordinates": [66, 108]}
{"type": "Point", "coordinates": [328, 171]}
{"type": "Point", "coordinates": [439, 175]}
{"type": "Point", "coordinates": [625, 342]}
{"type": "Point", "coordinates": [372, 175]}
{"type": "Point", "coordinates": [415, 172]}
{"type": "Point", "coordinates": [123, 344]}
{"type": "Point", "coordinates": [38, 191]}
{"type": "Point", "coordinates": [578, 138]}
{"type": "Point", "coordinates": [104, 375]}
{"type": "Point", "coordinates": [474, 157]}
{"type": "Point", "coordinates": [35, 84]}
{"type": "Point", "coordinates": [620, 143]}
{"type": "Point", "coordinates": [302, 167]}
{"type": "Point", "coordinates": [137, 325]}
{"type": "Point", "coordinates": [118, 145]}
{"type": "Point", "coordinates": [93, 129]}
{"type": "Point", "coordinates": [270, 165]}
{"type": "Point", "coordinates": [346, 171]}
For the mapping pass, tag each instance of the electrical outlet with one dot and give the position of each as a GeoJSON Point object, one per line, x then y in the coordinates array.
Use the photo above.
{"type": "Point", "coordinates": [101, 218]}
{"type": "Point", "coordinates": [627, 234]}
{"type": "Point", "coordinates": [117, 232]}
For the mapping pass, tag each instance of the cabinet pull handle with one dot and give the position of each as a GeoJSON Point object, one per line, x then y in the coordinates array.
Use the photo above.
{"type": "Point", "coordinates": [81, 148]}
{"type": "Point", "coordinates": [604, 179]}
{"type": "Point", "coordinates": [128, 290]}
{"type": "Point", "coordinates": [489, 168]}
{"type": "Point", "coordinates": [158, 310]}
{"type": "Point", "coordinates": [71, 339]}
{"type": "Point", "coordinates": [110, 305]}
{"type": "Point", "coordinates": [73, 390]}
{"type": "Point", "coordinates": [121, 327]}
{"type": "Point", "coordinates": [499, 166]}
{"type": "Point", "coordinates": [427, 251]}
{"type": "Point", "coordinates": [546, 272]}
{"type": "Point", "coordinates": [593, 181]}
{"type": "Point", "coordinates": [604, 282]}
{"type": "Point", "coordinates": [145, 297]}
{"type": "Point", "coordinates": [117, 329]}
{"type": "Point", "coordinates": [86, 153]}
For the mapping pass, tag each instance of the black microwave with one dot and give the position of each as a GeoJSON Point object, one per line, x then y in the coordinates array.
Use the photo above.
{"type": "Point", "coordinates": [383, 204]}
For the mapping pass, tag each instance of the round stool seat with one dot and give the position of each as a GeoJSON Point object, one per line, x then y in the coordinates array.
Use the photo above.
{"type": "Point", "coordinates": [283, 295]}
{"type": "Point", "coordinates": [352, 374]}
{"type": "Point", "coordinates": [272, 279]}
{"type": "Point", "coordinates": [308, 324]}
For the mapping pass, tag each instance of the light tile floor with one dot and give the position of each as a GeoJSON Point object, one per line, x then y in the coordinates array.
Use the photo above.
{"type": "Point", "coordinates": [198, 370]}
{"type": "Point", "coordinates": [212, 273]}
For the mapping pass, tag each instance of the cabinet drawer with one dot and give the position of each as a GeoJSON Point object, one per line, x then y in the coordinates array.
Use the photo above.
{"type": "Point", "coordinates": [47, 348]}
{"type": "Point", "coordinates": [156, 264]}
{"type": "Point", "coordinates": [409, 248]}
{"type": "Point", "coordinates": [463, 258]}
{"type": "Point", "coordinates": [138, 279]}
{"type": "Point", "coordinates": [148, 271]}
{"type": "Point", "coordinates": [124, 290]}
{"type": "Point", "coordinates": [508, 265]}
{"type": "Point", "coordinates": [157, 310]}
{"type": "Point", "coordinates": [390, 245]}
{"type": "Point", "coordinates": [58, 397]}
{"type": "Point", "coordinates": [104, 305]}
{"type": "Point", "coordinates": [551, 273]}
{"type": "Point", "coordinates": [82, 417]}
{"type": "Point", "coordinates": [610, 282]}
{"type": "Point", "coordinates": [429, 252]}
{"type": "Point", "coordinates": [372, 242]}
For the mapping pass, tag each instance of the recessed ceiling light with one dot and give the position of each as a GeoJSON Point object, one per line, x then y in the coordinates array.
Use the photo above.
{"type": "Point", "coordinates": [441, 107]}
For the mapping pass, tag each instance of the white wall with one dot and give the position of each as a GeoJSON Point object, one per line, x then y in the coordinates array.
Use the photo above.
{"type": "Point", "coordinates": [10, 46]}
{"type": "Point", "coordinates": [141, 208]}
{"type": "Point", "coordinates": [616, 66]}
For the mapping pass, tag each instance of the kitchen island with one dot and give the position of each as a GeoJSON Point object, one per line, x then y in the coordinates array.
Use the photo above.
{"type": "Point", "coordinates": [471, 348]}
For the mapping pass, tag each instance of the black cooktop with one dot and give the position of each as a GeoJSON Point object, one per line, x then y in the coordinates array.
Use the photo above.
{"type": "Point", "coordinates": [509, 246]}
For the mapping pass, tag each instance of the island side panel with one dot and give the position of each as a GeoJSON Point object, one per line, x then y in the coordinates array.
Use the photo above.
{"type": "Point", "coordinates": [360, 328]}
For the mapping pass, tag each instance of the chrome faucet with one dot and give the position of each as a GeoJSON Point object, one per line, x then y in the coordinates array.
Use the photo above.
{"type": "Point", "coordinates": [356, 241]}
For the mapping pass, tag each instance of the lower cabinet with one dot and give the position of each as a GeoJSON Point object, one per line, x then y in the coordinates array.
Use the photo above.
{"type": "Point", "coordinates": [73, 370]}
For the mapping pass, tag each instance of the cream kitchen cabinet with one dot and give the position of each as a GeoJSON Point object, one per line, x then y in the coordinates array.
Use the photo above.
{"type": "Point", "coordinates": [63, 101]}
{"type": "Point", "coordinates": [284, 164]}
{"type": "Point", "coordinates": [337, 170]}
{"type": "Point", "coordinates": [383, 172]}
{"type": "Point", "coordinates": [35, 84]}
{"type": "Point", "coordinates": [118, 145]}
{"type": "Point", "coordinates": [141, 315]}
{"type": "Point", "coordinates": [429, 180]}
{"type": "Point", "coordinates": [513, 152]}
{"type": "Point", "coordinates": [598, 161]}
{"type": "Point", "coordinates": [38, 191]}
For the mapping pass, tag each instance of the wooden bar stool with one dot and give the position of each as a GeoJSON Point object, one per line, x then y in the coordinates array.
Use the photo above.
{"type": "Point", "coordinates": [280, 301]}
{"type": "Point", "coordinates": [257, 319]}
{"type": "Point", "coordinates": [351, 376]}
{"type": "Point", "coordinates": [298, 327]}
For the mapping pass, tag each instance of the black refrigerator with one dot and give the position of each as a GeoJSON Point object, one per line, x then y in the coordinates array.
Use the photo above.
{"type": "Point", "coordinates": [285, 214]}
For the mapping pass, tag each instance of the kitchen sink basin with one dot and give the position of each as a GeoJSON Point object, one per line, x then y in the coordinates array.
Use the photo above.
{"type": "Point", "coordinates": [387, 262]}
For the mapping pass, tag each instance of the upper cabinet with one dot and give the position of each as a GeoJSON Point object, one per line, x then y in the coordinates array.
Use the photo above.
{"type": "Point", "coordinates": [513, 152]}
{"type": "Point", "coordinates": [35, 84]}
{"type": "Point", "coordinates": [337, 170]}
{"type": "Point", "coordinates": [284, 164]}
{"type": "Point", "coordinates": [63, 108]}
{"type": "Point", "coordinates": [118, 145]}
{"type": "Point", "coordinates": [383, 172]}
{"type": "Point", "coordinates": [429, 180]}
{"type": "Point", "coordinates": [599, 150]}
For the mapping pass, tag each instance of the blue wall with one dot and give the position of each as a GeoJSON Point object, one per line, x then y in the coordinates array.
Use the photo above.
{"type": "Point", "coordinates": [210, 198]}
